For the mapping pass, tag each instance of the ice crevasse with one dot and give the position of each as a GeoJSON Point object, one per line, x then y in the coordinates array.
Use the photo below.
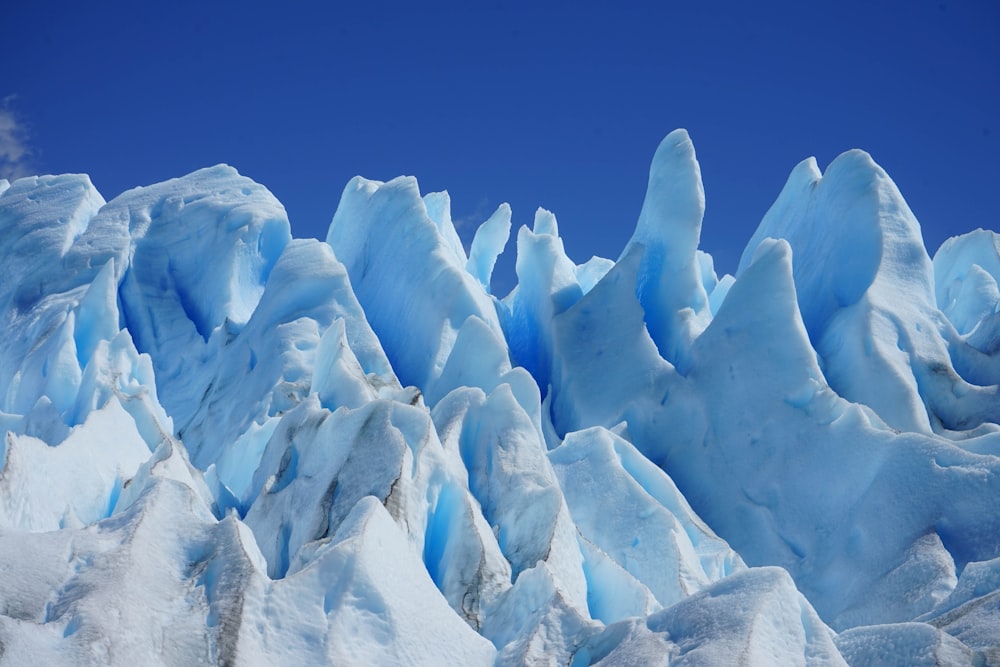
{"type": "Point", "coordinates": [223, 445]}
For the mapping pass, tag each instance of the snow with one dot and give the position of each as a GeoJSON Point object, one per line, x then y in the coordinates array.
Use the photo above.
{"type": "Point", "coordinates": [487, 244]}
{"type": "Point", "coordinates": [200, 252]}
{"type": "Point", "coordinates": [966, 270]}
{"type": "Point", "coordinates": [755, 617]}
{"type": "Point", "coordinates": [411, 248]}
{"type": "Point", "coordinates": [602, 342]}
{"type": "Point", "coordinates": [909, 644]}
{"type": "Point", "coordinates": [514, 483]}
{"type": "Point", "coordinates": [377, 592]}
{"type": "Point", "coordinates": [547, 286]}
{"type": "Point", "coordinates": [223, 445]}
{"type": "Point", "coordinates": [75, 484]}
{"type": "Point", "coordinates": [628, 508]}
{"type": "Point", "coordinates": [669, 284]}
{"type": "Point", "coordinates": [871, 310]}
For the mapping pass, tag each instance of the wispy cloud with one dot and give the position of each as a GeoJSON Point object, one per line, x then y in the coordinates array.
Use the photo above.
{"type": "Point", "coordinates": [470, 222]}
{"type": "Point", "coordinates": [15, 151]}
{"type": "Point", "coordinates": [466, 225]}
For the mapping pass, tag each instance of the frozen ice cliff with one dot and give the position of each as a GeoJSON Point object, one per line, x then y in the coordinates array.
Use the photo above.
{"type": "Point", "coordinates": [223, 445]}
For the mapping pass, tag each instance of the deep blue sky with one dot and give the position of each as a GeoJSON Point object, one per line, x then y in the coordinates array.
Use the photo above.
{"type": "Point", "coordinates": [559, 106]}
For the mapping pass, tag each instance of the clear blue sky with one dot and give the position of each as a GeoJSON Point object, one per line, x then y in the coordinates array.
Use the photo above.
{"type": "Point", "coordinates": [559, 106]}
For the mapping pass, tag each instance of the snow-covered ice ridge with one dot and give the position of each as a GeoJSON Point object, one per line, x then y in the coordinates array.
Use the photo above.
{"type": "Point", "coordinates": [225, 446]}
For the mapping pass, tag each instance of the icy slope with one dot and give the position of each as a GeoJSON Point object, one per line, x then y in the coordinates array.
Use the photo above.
{"type": "Point", "coordinates": [226, 446]}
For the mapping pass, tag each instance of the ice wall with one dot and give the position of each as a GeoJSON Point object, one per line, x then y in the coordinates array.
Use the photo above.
{"type": "Point", "coordinates": [226, 446]}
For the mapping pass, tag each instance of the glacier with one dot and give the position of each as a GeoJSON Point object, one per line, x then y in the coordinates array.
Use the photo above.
{"type": "Point", "coordinates": [223, 445]}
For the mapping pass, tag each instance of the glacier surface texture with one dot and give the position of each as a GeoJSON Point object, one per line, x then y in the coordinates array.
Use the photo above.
{"type": "Point", "coordinates": [223, 445]}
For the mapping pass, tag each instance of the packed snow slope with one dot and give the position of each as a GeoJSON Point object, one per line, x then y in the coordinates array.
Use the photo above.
{"type": "Point", "coordinates": [227, 446]}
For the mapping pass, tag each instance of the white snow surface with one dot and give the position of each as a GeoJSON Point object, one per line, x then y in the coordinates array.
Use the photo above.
{"type": "Point", "coordinates": [226, 446]}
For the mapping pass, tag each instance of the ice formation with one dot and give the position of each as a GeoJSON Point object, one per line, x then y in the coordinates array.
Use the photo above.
{"type": "Point", "coordinates": [227, 446]}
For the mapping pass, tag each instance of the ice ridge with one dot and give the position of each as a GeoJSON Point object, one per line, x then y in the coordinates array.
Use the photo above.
{"type": "Point", "coordinates": [224, 445]}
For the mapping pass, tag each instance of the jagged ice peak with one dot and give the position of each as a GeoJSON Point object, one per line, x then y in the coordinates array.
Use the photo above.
{"type": "Point", "coordinates": [224, 445]}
